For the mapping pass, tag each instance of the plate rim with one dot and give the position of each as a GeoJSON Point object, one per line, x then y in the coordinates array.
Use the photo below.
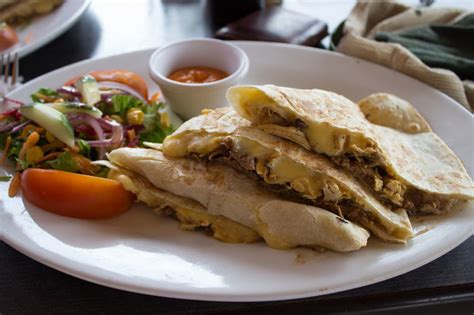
{"type": "Point", "coordinates": [73, 268]}
{"type": "Point", "coordinates": [121, 284]}
{"type": "Point", "coordinates": [27, 49]}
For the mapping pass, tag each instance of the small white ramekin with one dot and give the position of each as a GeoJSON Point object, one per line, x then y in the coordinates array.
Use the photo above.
{"type": "Point", "coordinates": [186, 99]}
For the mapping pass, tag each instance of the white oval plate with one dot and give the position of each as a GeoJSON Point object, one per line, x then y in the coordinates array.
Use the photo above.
{"type": "Point", "coordinates": [44, 29]}
{"type": "Point", "coordinates": [146, 253]}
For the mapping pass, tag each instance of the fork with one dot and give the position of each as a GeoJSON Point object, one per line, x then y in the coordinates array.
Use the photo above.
{"type": "Point", "coordinates": [9, 80]}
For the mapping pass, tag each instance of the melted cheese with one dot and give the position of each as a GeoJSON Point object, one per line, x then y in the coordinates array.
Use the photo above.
{"type": "Point", "coordinates": [190, 214]}
{"type": "Point", "coordinates": [271, 166]}
{"type": "Point", "coordinates": [181, 144]}
{"type": "Point", "coordinates": [322, 137]}
{"type": "Point", "coordinates": [278, 169]}
{"type": "Point", "coordinates": [252, 148]}
{"type": "Point", "coordinates": [332, 141]}
{"type": "Point", "coordinates": [223, 229]}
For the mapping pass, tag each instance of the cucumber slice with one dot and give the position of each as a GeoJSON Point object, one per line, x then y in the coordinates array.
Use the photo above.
{"type": "Point", "coordinates": [77, 108]}
{"type": "Point", "coordinates": [50, 119]}
{"type": "Point", "coordinates": [89, 89]}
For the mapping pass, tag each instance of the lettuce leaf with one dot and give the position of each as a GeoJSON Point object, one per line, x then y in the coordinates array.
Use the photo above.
{"type": "Point", "coordinates": [154, 130]}
{"type": "Point", "coordinates": [24, 164]}
{"type": "Point", "coordinates": [152, 116]}
{"type": "Point", "coordinates": [64, 162]}
{"type": "Point", "coordinates": [15, 147]}
{"type": "Point", "coordinates": [46, 92]}
{"type": "Point", "coordinates": [84, 148]}
{"type": "Point", "coordinates": [157, 135]}
{"type": "Point", "coordinates": [122, 103]}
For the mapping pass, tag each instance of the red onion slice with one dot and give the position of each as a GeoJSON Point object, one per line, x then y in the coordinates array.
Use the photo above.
{"type": "Point", "coordinates": [8, 105]}
{"type": "Point", "coordinates": [122, 87]}
{"type": "Point", "coordinates": [20, 126]}
{"type": "Point", "coordinates": [77, 119]}
{"type": "Point", "coordinates": [116, 137]}
{"type": "Point", "coordinates": [100, 126]}
{"type": "Point", "coordinates": [69, 90]}
{"type": "Point", "coordinates": [9, 126]}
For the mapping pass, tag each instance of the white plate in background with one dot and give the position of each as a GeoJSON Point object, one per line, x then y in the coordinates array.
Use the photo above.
{"type": "Point", "coordinates": [45, 28]}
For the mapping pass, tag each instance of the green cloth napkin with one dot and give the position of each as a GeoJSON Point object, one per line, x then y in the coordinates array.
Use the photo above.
{"type": "Point", "coordinates": [449, 46]}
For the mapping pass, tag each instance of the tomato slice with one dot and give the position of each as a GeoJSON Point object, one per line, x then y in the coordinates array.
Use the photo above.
{"type": "Point", "coordinates": [75, 195]}
{"type": "Point", "coordinates": [132, 79]}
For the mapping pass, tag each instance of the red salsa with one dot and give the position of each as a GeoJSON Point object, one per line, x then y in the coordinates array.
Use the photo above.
{"type": "Point", "coordinates": [197, 75]}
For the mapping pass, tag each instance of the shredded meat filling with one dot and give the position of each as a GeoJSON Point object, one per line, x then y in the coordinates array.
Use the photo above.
{"type": "Point", "coordinates": [300, 124]}
{"type": "Point", "coordinates": [416, 202]}
{"type": "Point", "coordinates": [269, 116]}
{"type": "Point", "coordinates": [331, 197]}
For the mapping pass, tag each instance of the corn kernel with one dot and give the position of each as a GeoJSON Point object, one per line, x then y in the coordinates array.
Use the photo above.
{"type": "Point", "coordinates": [34, 154]}
{"type": "Point", "coordinates": [50, 137]}
{"type": "Point", "coordinates": [135, 116]}
{"type": "Point", "coordinates": [26, 131]}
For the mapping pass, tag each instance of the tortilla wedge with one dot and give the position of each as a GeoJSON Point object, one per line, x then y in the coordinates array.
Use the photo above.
{"type": "Point", "coordinates": [391, 111]}
{"type": "Point", "coordinates": [417, 172]}
{"type": "Point", "coordinates": [191, 214]}
{"type": "Point", "coordinates": [284, 167]}
{"type": "Point", "coordinates": [224, 192]}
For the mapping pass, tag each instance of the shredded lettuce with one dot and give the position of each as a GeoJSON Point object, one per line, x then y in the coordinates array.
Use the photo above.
{"type": "Point", "coordinates": [154, 130]}
{"type": "Point", "coordinates": [122, 103]}
{"type": "Point", "coordinates": [157, 135]}
{"type": "Point", "coordinates": [15, 147]}
{"type": "Point", "coordinates": [24, 164]}
{"type": "Point", "coordinates": [64, 162]}
{"type": "Point", "coordinates": [84, 148]}
{"type": "Point", "coordinates": [36, 97]}
{"type": "Point", "coordinates": [152, 116]}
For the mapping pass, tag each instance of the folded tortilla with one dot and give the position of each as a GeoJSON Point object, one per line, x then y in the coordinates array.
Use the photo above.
{"type": "Point", "coordinates": [224, 192]}
{"type": "Point", "coordinates": [391, 111]}
{"type": "Point", "coordinates": [191, 214]}
{"type": "Point", "coordinates": [286, 168]}
{"type": "Point", "coordinates": [417, 172]}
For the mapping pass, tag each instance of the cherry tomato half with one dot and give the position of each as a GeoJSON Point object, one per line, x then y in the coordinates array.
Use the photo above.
{"type": "Point", "coordinates": [75, 195]}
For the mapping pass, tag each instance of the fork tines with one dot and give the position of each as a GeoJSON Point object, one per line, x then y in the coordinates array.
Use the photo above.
{"type": "Point", "coordinates": [9, 60]}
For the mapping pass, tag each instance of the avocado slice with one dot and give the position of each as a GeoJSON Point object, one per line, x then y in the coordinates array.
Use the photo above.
{"type": "Point", "coordinates": [77, 108]}
{"type": "Point", "coordinates": [50, 119]}
{"type": "Point", "coordinates": [89, 89]}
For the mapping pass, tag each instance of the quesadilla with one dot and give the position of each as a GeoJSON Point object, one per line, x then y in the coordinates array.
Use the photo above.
{"type": "Point", "coordinates": [417, 172]}
{"type": "Point", "coordinates": [224, 192]}
{"type": "Point", "coordinates": [15, 12]}
{"type": "Point", "coordinates": [286, 168]}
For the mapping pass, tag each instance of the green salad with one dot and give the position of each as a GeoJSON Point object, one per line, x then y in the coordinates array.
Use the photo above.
{"type": "Point", "coordinates": [70, 127]}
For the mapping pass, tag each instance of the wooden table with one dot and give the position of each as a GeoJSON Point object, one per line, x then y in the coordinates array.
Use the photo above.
{"type": "Point", "coordinates": [116, 26]}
